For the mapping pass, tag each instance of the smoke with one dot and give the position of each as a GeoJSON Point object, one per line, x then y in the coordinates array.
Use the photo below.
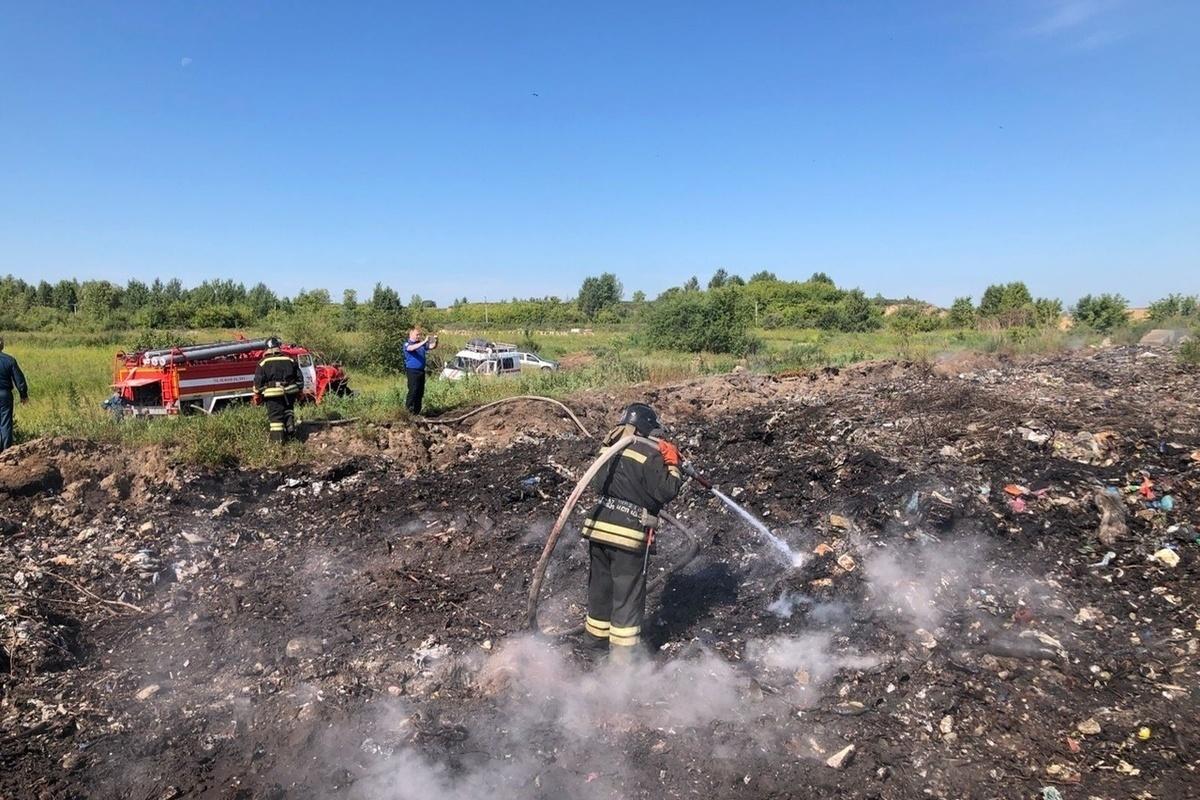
{"type": "Point", "coordinates": [555, 728]}
{"type": "Point", "coordinates": [785, 606]}
{"type": "Point", "coordinates": [920, 586]}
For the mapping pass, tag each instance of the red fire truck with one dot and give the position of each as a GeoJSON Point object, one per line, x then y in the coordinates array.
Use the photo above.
{"type": "Point", "coordinates": [207, 377]}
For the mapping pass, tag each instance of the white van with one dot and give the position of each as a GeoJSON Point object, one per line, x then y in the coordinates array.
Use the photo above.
{"type": "Point", "coordinates": [483, 358]}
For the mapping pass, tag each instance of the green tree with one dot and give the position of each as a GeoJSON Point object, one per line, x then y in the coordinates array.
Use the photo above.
{"type": "Point", "coordinates": [692, 285]}
{"type": "Point", "coordinates": [1102, 312]}
{"type": "Point", "coordinates": [716, 321]}
{"type": "Point", "coordinates": [719, 279]}
{"type": "Point", "coordinates": [597, 294]}
{"type": "Point", "coordinates": [858, 314]}
{"type": "Point", "coordinates": [763, 276]}
{"type": "Point", "coordinates": [1047, 312]}
{"type": "Point", "coordinates": [316, 299]}
{"type": "Point", "coordinates": [385, 298]}
{"type": "Point", "coordinates": [639, 297]}
{"type": "Point", "coordinates": [962, 313]}
{"type": "Point", "coordinates": [1172, 306]}
{"type": "Point", "coordinates": [262, 300]}
{"type": "Point", "coordinates": [348, 316]}
{"type": "Point", "coordinates": [66, 296]}
{"type": "Point", "coordinates": [98, 300]}
{"type": "Point", "coordinates": [821, 277]}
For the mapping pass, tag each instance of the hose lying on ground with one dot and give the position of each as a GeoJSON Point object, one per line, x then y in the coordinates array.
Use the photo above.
{"type": "Point", "coordinates": [472, 413]}
{"type": "Point", "coordinates": [539, 571]}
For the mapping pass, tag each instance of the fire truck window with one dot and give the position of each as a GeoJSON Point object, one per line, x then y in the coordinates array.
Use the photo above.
{"type": "Point", "coordinates": [508, 363]}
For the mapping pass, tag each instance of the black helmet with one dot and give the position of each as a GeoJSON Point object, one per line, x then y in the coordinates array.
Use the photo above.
{"type": "Point", "coordinates": [642, 418]}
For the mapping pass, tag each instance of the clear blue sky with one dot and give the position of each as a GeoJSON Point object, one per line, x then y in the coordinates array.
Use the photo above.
{"type": "Point", "coordinates": [503, 149]}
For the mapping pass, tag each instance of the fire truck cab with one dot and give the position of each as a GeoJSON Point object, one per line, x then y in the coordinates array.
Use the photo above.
{"type": "Point", "coordinates": [204, 378]}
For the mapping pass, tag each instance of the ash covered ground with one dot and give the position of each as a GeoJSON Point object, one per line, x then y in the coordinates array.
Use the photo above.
{"type": "Point", "coordinates": [957, 628]}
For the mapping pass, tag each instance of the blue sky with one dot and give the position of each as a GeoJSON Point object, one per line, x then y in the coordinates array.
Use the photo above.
{"type": "Point", "coordinates": [499, 149]}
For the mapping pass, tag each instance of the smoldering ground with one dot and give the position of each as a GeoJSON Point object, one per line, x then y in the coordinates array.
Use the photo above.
{"type": "Point", "coordinates": [546, 723]}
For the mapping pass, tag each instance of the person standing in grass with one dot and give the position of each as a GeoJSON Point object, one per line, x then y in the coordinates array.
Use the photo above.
{"type": "Point", "coordinates": [415, 351]}
{"type": "Point", "coordinates": [11, 378]}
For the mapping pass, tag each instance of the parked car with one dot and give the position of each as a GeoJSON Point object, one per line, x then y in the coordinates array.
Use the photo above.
{"type": "Point", "coordinates": [535, 361]}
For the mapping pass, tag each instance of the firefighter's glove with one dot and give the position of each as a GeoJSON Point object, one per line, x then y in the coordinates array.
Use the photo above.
{"type": "Point", "coordinates": [670, 453]}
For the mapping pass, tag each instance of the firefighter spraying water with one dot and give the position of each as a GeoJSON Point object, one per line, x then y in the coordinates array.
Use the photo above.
{"type": "Point", "coordinates": [637, 472]}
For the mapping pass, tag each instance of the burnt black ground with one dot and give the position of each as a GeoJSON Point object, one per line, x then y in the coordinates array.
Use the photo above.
{"type": "Point", "coordinates": [375, 568]}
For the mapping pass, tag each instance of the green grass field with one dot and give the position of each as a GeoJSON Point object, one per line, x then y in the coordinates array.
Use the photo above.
{"type": "Point", "coordinates": [69, 378]}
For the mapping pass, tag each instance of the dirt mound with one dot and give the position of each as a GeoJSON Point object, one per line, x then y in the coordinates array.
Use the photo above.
{"type": "Point", "coordinates": [955, 628]}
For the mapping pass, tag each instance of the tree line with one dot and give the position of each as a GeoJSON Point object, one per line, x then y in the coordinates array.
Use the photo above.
{"type": "Point", "coordinates": [718, 316]}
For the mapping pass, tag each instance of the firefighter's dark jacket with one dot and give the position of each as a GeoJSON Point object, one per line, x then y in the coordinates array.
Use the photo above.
{"type": "Point", "coordinates": [633, 488]}
{"type": "Point", "coordinates": [278, 375]}
{"type": "Point", "coordinates": [11, 376]}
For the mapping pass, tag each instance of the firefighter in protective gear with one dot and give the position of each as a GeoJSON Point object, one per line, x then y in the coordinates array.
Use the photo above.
{"type": "Point", "coordinates": [277, 383]}
{"type": "Point", "coordinates": [633, 488]}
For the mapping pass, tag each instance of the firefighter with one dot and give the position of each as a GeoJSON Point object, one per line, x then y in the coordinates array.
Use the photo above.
{"type": "Point", "coordinates": [633, 488]}
{"type": "Point", "coordinates": [277, 383]}
{"type": "Point", "coordinates": [11, 378]}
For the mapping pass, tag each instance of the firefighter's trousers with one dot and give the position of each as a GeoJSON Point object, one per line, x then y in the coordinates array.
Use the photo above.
{"type": "Point", "coordinates": [616, 596]}
{"type": "Point", "coordinates": [280, 417]}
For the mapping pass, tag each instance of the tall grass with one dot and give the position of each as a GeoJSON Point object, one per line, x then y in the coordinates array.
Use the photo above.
{"type": "Point", "coordinates": [69, 379]}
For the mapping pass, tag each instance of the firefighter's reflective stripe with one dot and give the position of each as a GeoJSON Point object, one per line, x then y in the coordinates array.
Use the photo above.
{"type": "Point", "coordinates": [618, 535]}
{"type": "Point", "coordinates": [629, 452]}
{"type": "Point", "coordinates": [624, 637]}
{"type": "Point", "coordinates": [276, 426]}
{"type": "Point", "coordinates": [595, 627]}
{"type": "Point", "coordinates": [291, 388]}
{"type": "Point", "coordinates": [274, 391]}
{"type": "Point", "coordinates": [675, 472]}
{"type": "Point", "coordinates": [269, 359]}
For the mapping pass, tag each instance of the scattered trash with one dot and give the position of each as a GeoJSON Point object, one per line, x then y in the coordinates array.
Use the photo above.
{"type": "Point", "coordinates": [1167, 503]}
{"type": "Point", "coordinates": [1146, 490]}
{"type": "Point", "coordinates": [1017, 505]}
{"type": "Point", "coordinates": [1104, 562]}
{"type": "Point", "coordinates": [1125, 768]}
{"type": "Point", "coordinates": [1089, 727]}
{"type": "Point", "coordinates": [1144, 734]}
{"type": "Point", "coordinates": [1112, 518]}
{"type": "Point", "coordinates": [846, 562]}
{"type": "Point", "coordinates": [1167, 556]}
{"type": "Point", "coordinates": [1015, 490]}
{"type": "Point", "coordinates": [838, 521]}
{"type": "Point", "coordinates": [841, 758]}
{"type": "Point", "coordinates": [147, 692]}
{"type": "Point", "coordinates": [1050, 793]}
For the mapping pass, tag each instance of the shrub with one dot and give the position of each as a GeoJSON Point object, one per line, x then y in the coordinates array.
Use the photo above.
{"type": "Point", "coordinates": [717, 321]}
{"type": "Point", "coordinates": [1102, 312]}
{"type": "Point", "coordinates": [1189, 351]}
{"type": "Point", "coordinates": [386, 332]}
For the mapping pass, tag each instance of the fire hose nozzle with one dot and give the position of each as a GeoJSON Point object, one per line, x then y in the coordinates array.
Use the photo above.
{"type": "Point", "coordinates": [689, 470]}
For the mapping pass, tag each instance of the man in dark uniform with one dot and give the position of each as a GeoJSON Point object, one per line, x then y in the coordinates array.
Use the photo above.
{"type": "Point", "coordinates": [11, 378]}
{"type": "Point", "coordinates": [277, 383]}
{"type": "Point", "coordinates": [633, 488]}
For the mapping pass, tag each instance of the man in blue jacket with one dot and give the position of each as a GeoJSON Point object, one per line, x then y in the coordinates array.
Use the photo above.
{"type": "Point", "coordinates": [415, 351]}
{"type": "Point", "coordinates": [11, 378]}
